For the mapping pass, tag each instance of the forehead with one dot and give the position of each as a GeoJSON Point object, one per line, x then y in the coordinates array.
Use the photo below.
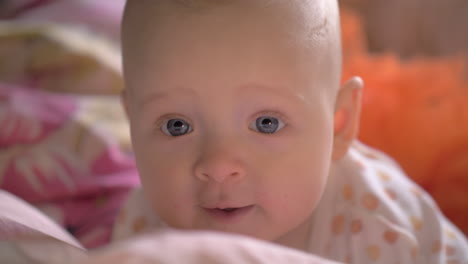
{"type": "Point", "coordinates": [299, 37]}
{"type": "Point", "coordinates": [305, 20]}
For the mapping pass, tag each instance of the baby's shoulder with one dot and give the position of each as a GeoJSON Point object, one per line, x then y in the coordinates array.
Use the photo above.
{"type": "Point", "coordinates": [368, 180]}
{"type": "Point", "coordinates": [371, 205]}
{"type": "Point", "coordinates": [374, 182]}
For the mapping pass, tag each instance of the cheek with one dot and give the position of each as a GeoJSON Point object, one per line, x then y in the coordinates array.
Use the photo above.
{"type": "Point", "coordinates": [297, 178]}
{"type": "Point", "coordinates": [166, 176]}
{"type": "Point", "coordinates": [158, 161]}
{"type": "Point", "coordinates": [169, 190]}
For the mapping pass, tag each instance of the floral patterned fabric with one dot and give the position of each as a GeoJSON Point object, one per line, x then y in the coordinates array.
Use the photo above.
{"type": "Point", "coordinates": [70, 170]}
{"type": "Point", "coordinates": [64, 143]}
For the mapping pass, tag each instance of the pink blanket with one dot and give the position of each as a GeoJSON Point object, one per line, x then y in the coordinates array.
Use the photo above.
{"type": "Point", "coordinates": [70, 169]}
{"type": "Point", "coordinates": [102, 16]}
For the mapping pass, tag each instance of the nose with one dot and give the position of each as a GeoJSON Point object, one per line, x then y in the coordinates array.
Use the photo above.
{"type": "Point", "coordinates": [219, 164]}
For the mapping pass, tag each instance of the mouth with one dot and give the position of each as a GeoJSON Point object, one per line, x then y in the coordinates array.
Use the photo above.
{"type": "Point", "coordinates": [229, 213]}
{"type": "Point", "coordinates": [228, 210]}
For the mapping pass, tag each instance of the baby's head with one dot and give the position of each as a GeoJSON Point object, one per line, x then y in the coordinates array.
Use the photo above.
{"type": "Point", "coordinates": [236, 110]}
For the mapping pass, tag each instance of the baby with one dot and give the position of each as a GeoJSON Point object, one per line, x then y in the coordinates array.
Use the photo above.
{"type": "Point", "coordinates": [239, 124]}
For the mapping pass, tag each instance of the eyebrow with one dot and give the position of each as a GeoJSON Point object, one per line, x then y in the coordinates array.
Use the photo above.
{"type": "Point", "coordinates": [185, 91]}
{"type": "Point", "coordinates": [276, 90]}
{"type": "Point", "coordinates": [159, 96]}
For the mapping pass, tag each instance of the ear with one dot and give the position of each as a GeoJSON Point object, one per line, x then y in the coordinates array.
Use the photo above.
{"type": "Point", "coordinates": [347, 112]}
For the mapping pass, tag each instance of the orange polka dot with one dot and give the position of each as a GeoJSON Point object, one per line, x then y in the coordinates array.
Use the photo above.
{"type": "Point", "coordinates": [338, 224]}
{"type": "Point", "coordinates": [417, 223]}
{"type": "Point", "coordinates": [139, 224]}
{"type": "Point", "coordinates": [347, 192]}
{"type": "Point", "coordinates": [373, 252]}
{"type": "Point", "coordinates": [416, 191]}
{"type": "Point", "coordinates": [384, 176]}
{"type": "Point", "coordinates": [450, 234]}
{"type": "Point", "coordinates": [370, 201]}
{"type": "Point", "coordinates": [391, 194]}
{"type": "Point", "coordinates": [371, 155]}
{"type": "Point", "coordinates": [356, 226]}
{"type": "Point", "coordinates": [450, 250]}
{"type": "Point", "coordinates": [436, 247]}
{"type": "Point", "coordinates": [391, 236]}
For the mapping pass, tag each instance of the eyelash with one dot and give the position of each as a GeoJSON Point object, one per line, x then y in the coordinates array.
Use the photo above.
{"type": "Point", "coordinates": [165, 118]}
{"type": "Point", "coordinates": [275, 114]}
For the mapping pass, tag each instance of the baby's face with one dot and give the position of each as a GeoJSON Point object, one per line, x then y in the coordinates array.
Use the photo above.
{"type": "Point", "coordinates": [232, 117]}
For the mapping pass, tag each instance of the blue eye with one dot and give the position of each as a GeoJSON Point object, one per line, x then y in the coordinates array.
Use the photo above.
{"type": "Point", "coordinates": [267, 125]}
{"type": "Point", "coordinates": [176, 127]}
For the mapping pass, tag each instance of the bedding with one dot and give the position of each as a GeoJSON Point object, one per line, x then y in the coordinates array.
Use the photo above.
{"type": "Point", "coordinates": [64, 143]}
{"type": "Point", "coordinates": [63, 130]}
{"type": "Point", "coordinates": [28, 237]}
{"type": "Point", "coordinates": [101, 16]}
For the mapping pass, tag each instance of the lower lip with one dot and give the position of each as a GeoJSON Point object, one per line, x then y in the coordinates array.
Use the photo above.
{"type": "Point", "coordinates": [237, 214]}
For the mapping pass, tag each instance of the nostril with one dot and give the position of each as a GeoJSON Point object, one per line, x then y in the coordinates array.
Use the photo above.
{"type": "Point", "coordinates": [219, 177]}
{"type": "Point", "coordinates": [205, 176]}
{"type": "Point", "coordinates": [218, 170]}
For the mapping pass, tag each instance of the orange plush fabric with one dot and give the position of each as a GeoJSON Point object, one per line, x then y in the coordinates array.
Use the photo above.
{"type": "Point", "coordinates": [416, 111]}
